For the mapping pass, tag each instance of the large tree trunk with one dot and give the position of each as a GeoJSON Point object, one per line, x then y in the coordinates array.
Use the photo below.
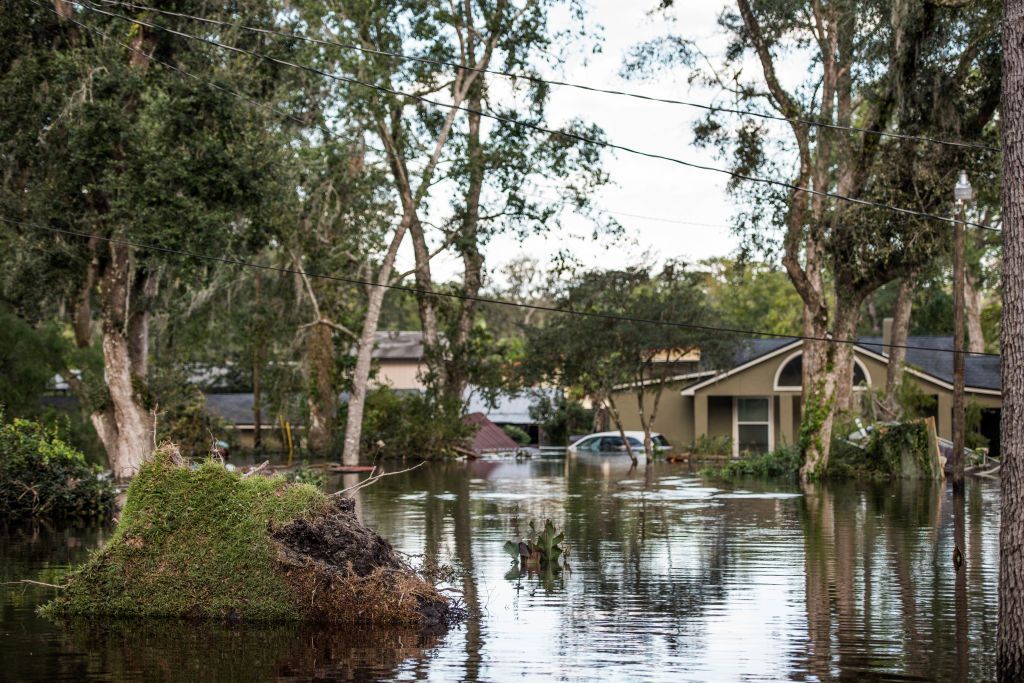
{"type": "Point", "coordinates": [364, 352]}
{"type": "Point", "coordinates": [321, 398]}
{"type": "Point", "coordinates": [828, 374]}
{"type": "Point", "coordinates": [897, 352]}
{"type": "Point", "coordinates": [1010, 660]}
{"type": "Point", "coordinates": [125, 426]}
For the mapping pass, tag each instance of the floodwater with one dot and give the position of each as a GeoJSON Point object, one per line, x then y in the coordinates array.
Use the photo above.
{"type": "Point", "coordinates": [671, 578]}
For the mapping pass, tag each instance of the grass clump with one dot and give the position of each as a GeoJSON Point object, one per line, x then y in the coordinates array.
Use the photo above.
{"type": "Point", "coordinates": [208, 543]}
{"type": "Point", "coordinates": [41, 476]}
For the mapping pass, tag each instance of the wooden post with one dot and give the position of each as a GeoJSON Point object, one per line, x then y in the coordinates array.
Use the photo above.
{"type": "Point", "coordinates": [958, 349]}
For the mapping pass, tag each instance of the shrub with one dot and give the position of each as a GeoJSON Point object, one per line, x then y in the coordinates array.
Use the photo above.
{"type": "Point", "coordinates": [517, 434]}
{"type": "Point", "coordinates": [560, 418]}
{"type": "Point", "coordinates": [891, 451]}
{"type": "Point", "coordinates": [711, 445]}
{"type": "Point", "coordinates": [398, 425]}
{"type": "Point", "coordinates": [782, 463]}
{"type": "Point", "coordinates": [41, 476]}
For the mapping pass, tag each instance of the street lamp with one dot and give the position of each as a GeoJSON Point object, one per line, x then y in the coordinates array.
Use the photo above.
{"type": "Point", "coordinates": [962, 193]}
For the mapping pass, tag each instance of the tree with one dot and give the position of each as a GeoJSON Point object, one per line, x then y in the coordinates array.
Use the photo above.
{"type": "Point", "coordinates": [1010, 657]}
{"type": "Point", "coordinates": [910, 67]}
{"type": "Point", "coordinates": [442, 150]}
{"type": "Point", "coordinates": [752, 296]}
{"type": "Point", "coordinates": [103, 140]}
{"type": "Point", "coordinates": [596, 356]}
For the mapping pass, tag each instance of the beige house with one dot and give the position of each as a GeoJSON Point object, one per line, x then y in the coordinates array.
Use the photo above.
{"type": "Point", "coordinates": [757, 402]}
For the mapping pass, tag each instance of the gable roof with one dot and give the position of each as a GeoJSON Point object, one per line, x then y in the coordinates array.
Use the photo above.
{"type": "Point", "coordinates": [751, 352]}
{"type": "Point", "coordinates": [933, 356]}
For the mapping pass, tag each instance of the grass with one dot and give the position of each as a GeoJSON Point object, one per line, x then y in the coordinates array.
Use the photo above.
{"type": "Point", "coordinates": [193, 543]}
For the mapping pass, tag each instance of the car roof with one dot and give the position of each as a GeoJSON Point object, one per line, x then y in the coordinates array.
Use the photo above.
{"type": "Point", "coordinates": [635, 434]}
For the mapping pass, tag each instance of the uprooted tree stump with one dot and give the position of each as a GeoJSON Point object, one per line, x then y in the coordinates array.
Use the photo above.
{"type": "Point", "coordinates": [209, 543]}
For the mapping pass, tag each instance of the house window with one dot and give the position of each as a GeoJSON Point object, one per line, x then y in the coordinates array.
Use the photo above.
{"type": "Point", "coordinates": [752, 424]}
{"type": "Point", "coordinates": [790, 374]}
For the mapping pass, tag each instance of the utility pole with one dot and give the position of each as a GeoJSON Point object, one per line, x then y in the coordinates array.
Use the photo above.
{"type": "Point", "coordinates": [1010, 650]}
{"type": "Point", "coordinates": [962, 193]}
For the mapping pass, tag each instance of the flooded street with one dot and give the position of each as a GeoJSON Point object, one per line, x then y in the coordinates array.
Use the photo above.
{"type": "Point", "coordinates": [670, 579]}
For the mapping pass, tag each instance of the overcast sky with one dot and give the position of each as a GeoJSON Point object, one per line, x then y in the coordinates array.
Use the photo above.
{"type": "Point", "coordinates": [639, 186]}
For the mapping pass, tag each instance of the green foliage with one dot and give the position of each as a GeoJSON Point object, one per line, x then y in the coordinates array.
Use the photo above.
{"type": "Point", "coordinates": [413, 425]}
{"type": "Point", "coordinates": [782, 463]}
{"type": "Point", "coordinates": [891, 451]}
{"type": "Point", "coordinates": [184, 420]}
{"type": "Point", "coordinates": [711, 445]}
{"type": "Point", "coordinates": [517, 434]}
{"type": "Point", "coordinates": [29, 358]}
{"type": "Point", "coordinates": [304, 474]}
{"type": "Point", "coordinates": [543, 549]}
{"type": "Point", "coordinates": [561, 417]}
{"type": "Point", "coordinates": [43, 477]}
{"type": "Point", "coordinates": [548, 543]}
{"type": "Point", "coordinates": [914, 402]}
{"type": "Point", "coordinates": [752, 296]}
{"type": "Point", "coordinates": [973, 438]}
{"type": "Point", "coordinates": [593, 355]}
{"type": "Point", "coordinates": [193, 543]}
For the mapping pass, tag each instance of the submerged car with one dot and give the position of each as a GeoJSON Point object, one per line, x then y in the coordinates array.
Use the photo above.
{"type": "Point", "coordinates": [611, 442]}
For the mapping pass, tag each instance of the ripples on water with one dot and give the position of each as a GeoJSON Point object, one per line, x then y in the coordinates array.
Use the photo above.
{"type": "Point", "coordinates": [671, 579]}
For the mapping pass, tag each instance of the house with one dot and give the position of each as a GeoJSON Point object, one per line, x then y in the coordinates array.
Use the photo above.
{"type": "Point", "coordinates": [399, 358]}
{"type": "Point", "coordinates": [756, 401]}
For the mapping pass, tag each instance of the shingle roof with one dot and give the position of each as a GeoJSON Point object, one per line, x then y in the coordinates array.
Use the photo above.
{"type": "Point", "coordinates": [399, 346]}
{"type": "Point", "coordinates": [933, 357]}
{"type": "Point", "coordinates": [749, 349]}
{"type": "Point", "coordinates": [489, 437]}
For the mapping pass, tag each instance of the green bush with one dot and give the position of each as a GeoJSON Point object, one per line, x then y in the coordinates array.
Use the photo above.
{"type": "Point", "coordinates": [560, 418]}
{"type": "Point", "coordinates": [782, 463]}
{"type": "Point", "coordinates": [399, 425]}
{"type": "Point", "coordinates": [43, 477]}
{"type": "Point", "coordinates": [711, 445]}
{"type": "Point", "coordinates": [891, 451]}
{"type": "Point", "coordinates": [517, 434]}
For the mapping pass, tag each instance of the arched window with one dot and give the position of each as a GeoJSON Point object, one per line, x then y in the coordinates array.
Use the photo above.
{"type": "Point", "coordinates": [790, 374]}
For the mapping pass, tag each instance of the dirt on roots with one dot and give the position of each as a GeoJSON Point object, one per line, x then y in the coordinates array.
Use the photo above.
{"type": "Point", "coordinates": [350, 573]}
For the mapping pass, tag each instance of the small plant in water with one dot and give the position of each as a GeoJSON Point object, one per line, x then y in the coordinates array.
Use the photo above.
{"type": "Point", "coordinates": [541, 552]}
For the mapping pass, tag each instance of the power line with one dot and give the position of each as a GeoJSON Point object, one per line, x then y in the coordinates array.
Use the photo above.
{"type": "Point", "coordinates": [300, 121]}
{"type": "Point", "coordinates": [455, 295]}
{"type": "Point", "coordinates": [565, 84]}
{"type": "Point", "coordinates": [544, 129]}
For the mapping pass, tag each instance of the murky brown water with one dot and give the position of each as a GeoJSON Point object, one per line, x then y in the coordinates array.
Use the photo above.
{"type": "Point", "coordinates": [672, 579]}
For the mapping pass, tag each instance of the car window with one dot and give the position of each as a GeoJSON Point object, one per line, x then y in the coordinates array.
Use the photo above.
{"type": "Point", "coordinates": [661, 441]}
{"type": "Point", "coordinates": [635, 443]}
{"type": "Point", "coordinates": [585, 444]}
{"type": "Point", "coordinates": [611, 443]}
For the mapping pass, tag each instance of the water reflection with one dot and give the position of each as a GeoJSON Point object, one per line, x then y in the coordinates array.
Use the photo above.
{"type": "Point", "coordinates": [671, 578]}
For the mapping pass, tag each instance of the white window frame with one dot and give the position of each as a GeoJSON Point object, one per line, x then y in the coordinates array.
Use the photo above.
{"type": "Point", "coordinates": [736, 423]}
{"type": "Point", "coordinates": [795, 390]}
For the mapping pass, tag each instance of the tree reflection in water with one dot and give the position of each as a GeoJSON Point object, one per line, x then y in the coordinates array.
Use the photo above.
{"type": "Point", "coordinates": [671, 578]}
